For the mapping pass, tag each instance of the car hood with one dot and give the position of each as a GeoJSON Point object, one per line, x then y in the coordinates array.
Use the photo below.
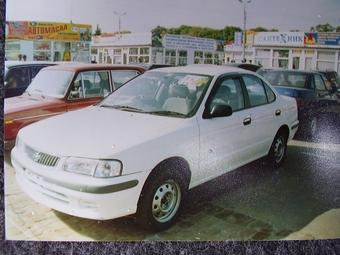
{"type": "Point", "coordinates": [94, 132]}
{"type": "Point", "coordinates": [23, 103]}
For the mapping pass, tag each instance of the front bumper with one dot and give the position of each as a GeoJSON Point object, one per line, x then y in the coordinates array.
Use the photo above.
{"type": "Point", "coordinates": [75, 194]}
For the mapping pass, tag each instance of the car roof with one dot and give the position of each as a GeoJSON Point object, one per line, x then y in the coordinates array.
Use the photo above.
{"type": "Point", "coordinates": [13, 63]}
{"type": "Point", "coordinates": [85, 67]}
{"type": "Point", "coordinates": [292, 71]}
{"type": "Point", "coordinates": [202, 69]}
{"type": "Point", "coordinates": [246, 66]}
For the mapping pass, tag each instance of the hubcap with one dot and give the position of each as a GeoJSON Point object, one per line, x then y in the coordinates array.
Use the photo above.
{"type": "Point", "coordinates": [166, 201]}
{"type": "Point", "coordinates": [279, 149]}
{"type": "Point", "coordinates": [313, 126]}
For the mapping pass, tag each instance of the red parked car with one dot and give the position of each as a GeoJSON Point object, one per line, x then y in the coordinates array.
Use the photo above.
{"type": "Point", "coordinates": [60, 89]}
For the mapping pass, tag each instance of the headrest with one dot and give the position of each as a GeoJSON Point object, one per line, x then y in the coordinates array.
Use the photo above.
{"type": "Point", "coordinates": [178, 90]}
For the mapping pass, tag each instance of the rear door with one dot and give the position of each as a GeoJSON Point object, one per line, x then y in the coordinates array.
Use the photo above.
{"type": "Point", "coordinates": [263, 112]}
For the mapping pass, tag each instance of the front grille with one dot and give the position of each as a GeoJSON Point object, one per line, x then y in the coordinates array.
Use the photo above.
{"type": "Point", "coordinates": [42, 158]}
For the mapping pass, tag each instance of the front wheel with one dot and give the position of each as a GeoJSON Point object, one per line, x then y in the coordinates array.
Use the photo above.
{"type": "Point", "coordinates": [160, 202]}
{"type": "Point", "coordinates": [278, 150]}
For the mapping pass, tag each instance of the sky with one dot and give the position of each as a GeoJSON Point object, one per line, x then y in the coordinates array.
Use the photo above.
{"type": "Point", "coordinates": [140, 16]}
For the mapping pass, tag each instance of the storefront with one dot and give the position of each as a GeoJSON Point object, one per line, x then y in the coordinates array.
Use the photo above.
{"type": "Point", "coordinates": [49, 41]}
{"type": "Point", "coordinates": [148, 48]}
{"type": "Point", "coordinates": [297, 50]}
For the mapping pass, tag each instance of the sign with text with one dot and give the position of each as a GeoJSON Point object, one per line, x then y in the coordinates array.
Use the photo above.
{"type": "Point", "coordinates": [188, 42]}
{"type": "Point", "coordinates": [322, 38]}
{"type": "Point", "coordinates": [279, 39]}
{"type": "Point", "coordinates": [34, 30]}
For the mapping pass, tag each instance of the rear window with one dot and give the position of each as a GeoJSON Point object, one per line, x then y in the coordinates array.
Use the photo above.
{"type": "Point", "coordinates": [290, 79]}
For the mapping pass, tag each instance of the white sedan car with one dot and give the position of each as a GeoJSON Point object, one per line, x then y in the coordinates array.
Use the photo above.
{"type": "Point", "coordinates": [141, 148]}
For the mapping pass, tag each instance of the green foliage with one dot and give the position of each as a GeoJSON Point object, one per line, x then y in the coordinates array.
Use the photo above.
{"type": "Point", "coordinates": [323, 28]}
{"type": "Point", "coordinates": [98, 31]}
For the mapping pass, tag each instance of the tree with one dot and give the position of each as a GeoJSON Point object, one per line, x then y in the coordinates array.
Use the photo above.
{"type": "Point", "coordinates": [98, 31]}
{"type": "Point", "coordinates": [322, 28]}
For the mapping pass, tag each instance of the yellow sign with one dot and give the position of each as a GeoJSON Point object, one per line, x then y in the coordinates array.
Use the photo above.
{"type": "Point", "coordinates": [34, 30]}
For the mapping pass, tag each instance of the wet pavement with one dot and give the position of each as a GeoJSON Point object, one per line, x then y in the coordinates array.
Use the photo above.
{"type": "Point", "coordinates": [208, 218]}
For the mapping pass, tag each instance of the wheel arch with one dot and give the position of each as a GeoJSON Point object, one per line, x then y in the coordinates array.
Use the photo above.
{"type": "Point", "coordinates": [177, 164]}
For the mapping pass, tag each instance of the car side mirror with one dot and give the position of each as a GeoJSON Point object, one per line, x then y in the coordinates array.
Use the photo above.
{"type": "Point", "coordinates": [218, 110]}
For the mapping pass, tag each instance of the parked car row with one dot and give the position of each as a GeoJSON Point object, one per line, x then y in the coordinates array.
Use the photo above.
{"type": "Point", "coordinates": [167, 130]}
{"type": "Point", "coordinates": [141, 148]}
{"type": "Point", "coordinates": [62, 88]}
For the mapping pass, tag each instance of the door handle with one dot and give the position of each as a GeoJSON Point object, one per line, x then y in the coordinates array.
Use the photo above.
{"type": "Point", "coordinates": [277, 112]}
{"type": "Point", "coordinates": [247, 121]}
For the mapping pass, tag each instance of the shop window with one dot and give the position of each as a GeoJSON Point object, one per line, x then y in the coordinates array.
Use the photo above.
{"type": "Point", "coordinates": [133, 51]}
{"type": "Point", "coordinates": [133, 59]}
{"type": "Point", "coordinates": [182, 57]}
{"type": "Point", "coordinates": [144, 51]}
{"type": "Point", "coordinates": [262, 53]}
{"type": "Point", "coordinates": [170, 57]}
{"type": "Point", "coordinates": [326, 55]}
{"type": "Point", "coordinates": [42, 45]}
{"type": "Point", "coordinates": [323, 65]}
{"type": "Point", "coordinates": [281, 53]}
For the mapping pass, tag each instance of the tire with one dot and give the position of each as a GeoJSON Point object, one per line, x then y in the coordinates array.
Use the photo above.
{"type": "Point", "coordinates": [278, 149]}
{"type": "Point", "coordinates": [312, 127]}
{"type": "Point", "coordinates": [160, 201]}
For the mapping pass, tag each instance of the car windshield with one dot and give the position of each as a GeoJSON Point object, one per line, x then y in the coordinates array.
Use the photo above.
{"type": "Point", "coordinates": [160, 93]}
{"type": "Point", "coordinates": [290, 79]}
{"type": "Point", "coordinates": [52, 83]}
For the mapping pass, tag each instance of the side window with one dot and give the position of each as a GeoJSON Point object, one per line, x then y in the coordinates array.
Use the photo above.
{"type": "Point", "coordinates": [35, 70]}
{"type": "Point", "coordinates": [229, 92]}
{"type": "Point", "coordinates": [327, 82]}
{"type": "Point", "coordinates": [270, 94]}
{"type": "Point", "coordinates": [319, 83]}
{"type": "Point", "coordinates": [91, 84]}
{"type": "Point", "coordinates": [122, 76]}
{"type": "Point", "coordinates": [256, 92]}
{"type": "Point", "coordinates": [17, 77]}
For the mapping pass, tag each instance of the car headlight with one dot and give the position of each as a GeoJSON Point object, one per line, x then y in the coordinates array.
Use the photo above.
{"type": "Point", "coordinates": [96, 168]}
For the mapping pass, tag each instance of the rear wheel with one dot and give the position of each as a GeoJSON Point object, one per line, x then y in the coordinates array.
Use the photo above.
{"type": "Point", "coordinates": [311, 126]}
{"type": "Point", "coordinates": [160, 201]}
{"type": "Point", "coordinates": [278, 150]}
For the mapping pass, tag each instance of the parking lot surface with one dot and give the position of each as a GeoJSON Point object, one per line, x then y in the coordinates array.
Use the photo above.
{"type": "Point", "coordinates": [204, 217]}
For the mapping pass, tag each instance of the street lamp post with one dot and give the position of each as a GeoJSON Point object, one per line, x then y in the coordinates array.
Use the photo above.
{"type": "Point", "coordinates": [119, 19]}
{"type": "Point", "coordinates": [244, 28]}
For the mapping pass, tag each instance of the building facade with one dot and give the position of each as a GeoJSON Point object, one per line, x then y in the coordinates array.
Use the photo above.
{"type": "Point", "coordinates": [153, 49]}
{"type": "Point", "coordinates": [48, 41]}
{"type": "Point", "coordinates": [292, 50]}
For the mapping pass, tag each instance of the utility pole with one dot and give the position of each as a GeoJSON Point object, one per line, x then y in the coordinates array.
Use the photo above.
{"type": "Point", "coordinates": [119, 19]}
{"type": "Point", "coordinates": [244, 28]}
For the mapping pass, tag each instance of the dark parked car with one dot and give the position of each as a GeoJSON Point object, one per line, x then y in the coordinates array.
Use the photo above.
{"type": "Point", "coordinates": [19, 74]}
{"type": "Point", "coordinates": [264, 70]}
{"type": "Point", "coordinates": [317, 102]}
{"type": "Point", "coordinates": [333, 77]}
{"type": "Point", "coordinates": [246, 66]}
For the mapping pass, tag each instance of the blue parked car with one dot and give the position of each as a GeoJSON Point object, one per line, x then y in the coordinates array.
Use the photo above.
{"type": "Point", "coordinates": [317, 102]}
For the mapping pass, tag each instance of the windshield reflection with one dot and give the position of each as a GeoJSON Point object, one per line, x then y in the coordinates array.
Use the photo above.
{"type": "Point", "coordinates": [52, 83]}
{"type": "Point", "coordinates": [168, 94]}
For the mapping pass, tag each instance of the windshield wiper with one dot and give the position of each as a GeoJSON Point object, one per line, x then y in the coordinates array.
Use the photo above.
{"type": "Point", "coordinates": [123, 108]}
{"type": "Point", "coordinates": [167, 113]}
